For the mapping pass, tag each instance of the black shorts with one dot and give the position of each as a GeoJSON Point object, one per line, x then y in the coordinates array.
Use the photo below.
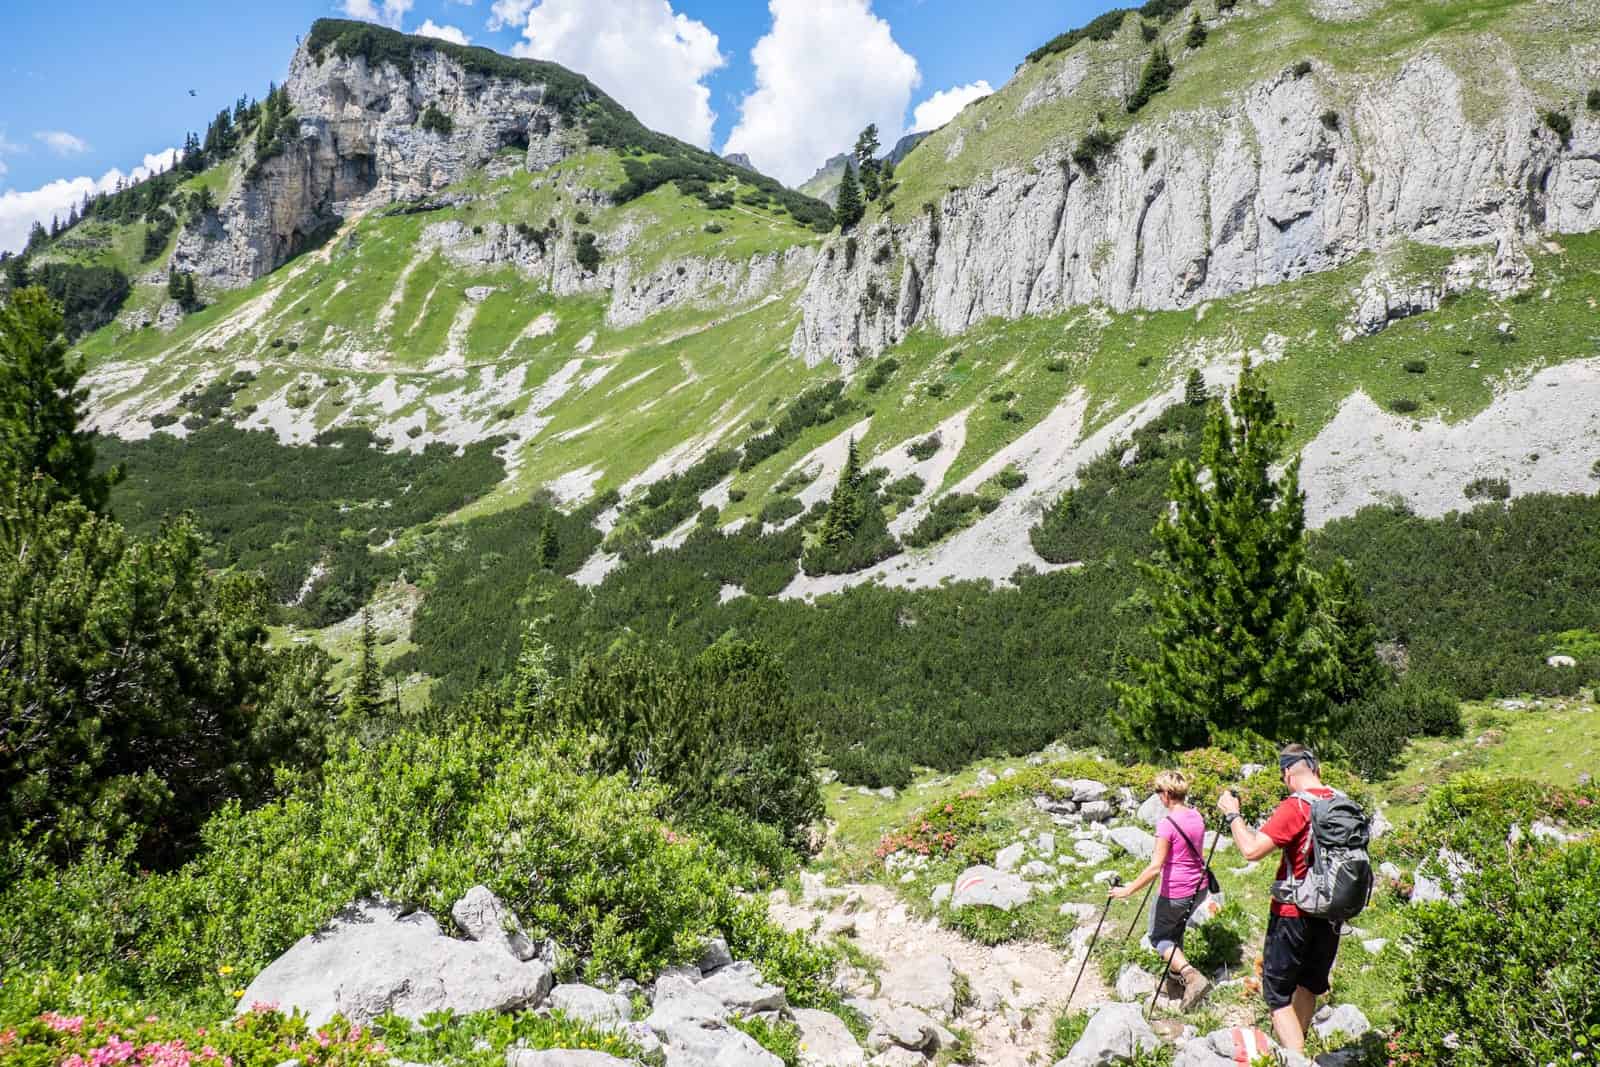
{"type": "Point", "coordinates": [1169, 921]}
{"type": "Point", "coordinates": [1299, 953]}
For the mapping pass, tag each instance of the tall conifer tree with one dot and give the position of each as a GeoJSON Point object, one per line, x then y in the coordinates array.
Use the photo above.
{"type": "Point", "coordinates": [1242, 644]}
{"type": "Point", "coordinates": [41, 404]}
{"type": "Point", "coordinates": [849, 210]}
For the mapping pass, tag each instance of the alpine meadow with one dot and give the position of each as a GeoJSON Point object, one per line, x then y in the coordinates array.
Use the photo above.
{"type": "Point", "coordinates": [1111, 576]}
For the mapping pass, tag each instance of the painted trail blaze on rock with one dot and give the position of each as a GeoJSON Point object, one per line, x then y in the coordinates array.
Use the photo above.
{"type": "Point", "coordinates": [985, 885]}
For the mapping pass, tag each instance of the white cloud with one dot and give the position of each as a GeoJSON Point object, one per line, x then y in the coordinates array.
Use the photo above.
{"type": "Point", "coordinates": [651, 59]}
{"type": "Point", "coordinates": [62, 143]}
{"type": "Point", "coordinates": [503, 13]}
{"type": "Point", "coordinates": [20, 210]}
{"type": "Point", "coordinates": [945, 105]}
{"type": "Point", "coordinates": [389, 12]}
{"type": "Point", "coordinates": [824, 71]}
{"type": "Point", "coordinates": [429, 28]}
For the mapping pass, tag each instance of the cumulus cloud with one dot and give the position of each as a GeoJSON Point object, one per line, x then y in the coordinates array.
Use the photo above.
{"type": "Point", "coordinates": [429, 28]}
{"type": "Point", "coordinates": [389, 12]}
{"type": "Point", "coordinates": [20, 210]}
{"type": "Point", "coordinates": [62, 143]}
{"type": "Point", "coordinates": [824, 71]}
{"type": "Point", "coordinates": [653, 60]}
{"type": "Point", "coordinates": [945, 105]}
{"type": "Point", "coordinates": [503, 13]}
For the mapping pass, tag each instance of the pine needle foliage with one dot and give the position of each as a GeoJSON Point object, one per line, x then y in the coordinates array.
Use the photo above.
{"type": "Point", "coordinates": [1243, 647]}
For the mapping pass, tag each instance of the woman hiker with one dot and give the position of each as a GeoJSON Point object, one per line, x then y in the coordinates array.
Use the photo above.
{"type": "Point", "coordinates": [1182, 867]}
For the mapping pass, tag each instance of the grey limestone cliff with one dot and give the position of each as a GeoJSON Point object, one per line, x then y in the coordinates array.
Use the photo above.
{"type": "Point", "coordinates": [357, 142]}
{"type": "Point", "coordinates": [1216, 201]}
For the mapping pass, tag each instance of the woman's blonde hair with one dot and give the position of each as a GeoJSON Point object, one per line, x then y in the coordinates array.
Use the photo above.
{"type": "Point", "coordinates": [1174, 784]}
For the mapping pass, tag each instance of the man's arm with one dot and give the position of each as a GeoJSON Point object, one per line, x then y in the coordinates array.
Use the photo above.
{"type": "Point", "coordinates": [1252, 843]}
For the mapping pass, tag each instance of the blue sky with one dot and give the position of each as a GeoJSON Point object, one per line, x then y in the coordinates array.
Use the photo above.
{"type": "Point", "coordinates": [92, 86]}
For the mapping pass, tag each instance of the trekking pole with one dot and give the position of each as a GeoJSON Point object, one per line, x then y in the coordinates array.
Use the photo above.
{"type": "Point", "coordinates": [1166, 970]}
{"type": "Point", "coordinates": [1115, 881]}
{"type": "Point", "coordinates": [1140, 914]}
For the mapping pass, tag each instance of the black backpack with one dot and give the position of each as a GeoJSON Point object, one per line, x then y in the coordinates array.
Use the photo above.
{"type": "Point", "coordinates": [1338, 883]}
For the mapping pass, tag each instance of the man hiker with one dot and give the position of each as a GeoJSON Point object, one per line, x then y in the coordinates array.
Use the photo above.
{"type": "Point", "coordinates": [1300, 949]}
{"type": "Point", "coordinates": [1181, 866]}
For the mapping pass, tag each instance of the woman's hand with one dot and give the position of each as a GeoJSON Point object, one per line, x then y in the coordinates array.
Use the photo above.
{"type": "Point", "coordinates": [1122, 892]}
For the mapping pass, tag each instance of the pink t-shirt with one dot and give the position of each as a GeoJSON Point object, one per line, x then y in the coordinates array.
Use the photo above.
{"type": "Point", "coordinates": [1184, 873]}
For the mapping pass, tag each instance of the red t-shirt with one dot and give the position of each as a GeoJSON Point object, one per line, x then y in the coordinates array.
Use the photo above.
{"type": "Point", "coordinates": [1289, 827]}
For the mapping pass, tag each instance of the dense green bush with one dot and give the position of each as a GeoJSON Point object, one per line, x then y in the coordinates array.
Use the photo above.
{"type": "Point", "coordinates": [1488, 489]}
{"type": "Point", "coordinates": [1094, 145]}
{"type": "Point", "coordinates": [435, 121]}
{"type": "Point", "coordinates": [950, 513]}
{"type": "Point", "coordinates": [1375, 731]}
{"type": "Point", "coordinates": [780, 509]}
{"type": "Point", "coordinates": [137, 688]}
{"type": "Point", "coordinates": [719, 732]}
{"type": "Point", "coordinates": [880, 374]}
{"type": "Point", "coordinates": [581, 856]}
{"type": "Point", "coordinates": [282, 510]}
{"type": "Point", "coordinates": [1505, 974]}
{"type": "Point", "coordinates": [815, 406]}
{"type": "Point", "coordinates": [1105, 27]}
{"type": "Point", "coordinates": [1560, 124]}
{"type": "Point", "coordinates": [925, 448]}
{"type": "Point", "coordinates": [587, 252]}
{"type": "Point", "coordinates": [1404, 405]}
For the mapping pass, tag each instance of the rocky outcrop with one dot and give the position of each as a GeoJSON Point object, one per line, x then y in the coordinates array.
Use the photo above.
{"type": "Point", "coordinates": [372, 960]}
{"type": "Point", "coordinates": [1295, 175]}
{"type": "Point", "coordinates": [357, 143]}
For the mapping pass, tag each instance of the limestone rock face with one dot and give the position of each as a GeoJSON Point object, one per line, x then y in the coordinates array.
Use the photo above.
{"type": "Point", "coordinates": [355, 144]}
{"type": "Point", "coordinates": [371, 960]}
{"type": "Point", "coordinates": [1260, 190]}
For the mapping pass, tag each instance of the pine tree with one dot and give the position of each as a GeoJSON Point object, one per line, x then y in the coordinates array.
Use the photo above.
{"type": "Point", "coordinates": [1195, 393]}
{"type": "Point", "coordinates": [1155, 78]}
{"type": "Point", "coordinates": [549, 545]}
{"type": "Point", "coordinates": [1197, 32]}
{"type": "Point", "coordinates": [1244, 646]}
{"type": "Point", "coordinates": [849, 210]}
{"type": "Point", "coordinates": [38, 236]}
{"type": "Point", "coordinates": [364, 702]}
{"type": "Point", "coordinates": [866, 159]}
{"type": "Point", "coordinates": [844, 507]}
{"type": "Point", "coordinates": [41, 405]}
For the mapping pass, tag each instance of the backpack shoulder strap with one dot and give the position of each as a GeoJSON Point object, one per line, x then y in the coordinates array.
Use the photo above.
{"type": "Point", "coordinates": [1201, 856]}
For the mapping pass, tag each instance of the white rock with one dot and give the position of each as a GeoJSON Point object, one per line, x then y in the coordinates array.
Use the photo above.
{"type": "Point", "coordinates": [1135, 983]}
{"type": "Point", "coordinates": [369, 960]}
{"type": "Point", "coordinates": [1133, 841]}
{"type": "Point", "coordinates": [742, 991]}
{"type": "Point", "coordinates": [825, 1041]}
{"type": "Point", "coordinates": [1083, 912]}
{"type": "Point", "coordinates": [1045, 844]}
{"type": "Point", "coordinates": [925, 981]}
{"type": "Point", "coordinates": [905, 1027]}
{"type": "Point", "coordinates": [713, 1044]}
{"type": "Point", "coordinates": [564, 1057]}
{"type": "Point", "coordinates": [1116, 1033]}
{"type": "Point", "coordinates": [985, 885]}
{"type": "Point", "coordinates": [1345, 1019]}
{"type": "Point", "coordinates": [1087, 789]}
{"type": "Point", "coordinates": [1009, 857]}
{"type": "Point", "coordinates": [1092, 851]}
{"type": "Point", "coordinates": [1375, 945]}
{"type": "Point", "coordinates": [1097, 810]}
{"type": "Point", "coordinates": [1152, 811]}
{"type": "Point", "coordinates": [482, 916]}
{"type": "Point", "coordinates": [1562, 661]}
{"type": "Point", "coordinates": [716, 955]}
{"type": "Point", "coordinates": [941, 892]}
{"type": "Point", "coordinates": [591, 1005]}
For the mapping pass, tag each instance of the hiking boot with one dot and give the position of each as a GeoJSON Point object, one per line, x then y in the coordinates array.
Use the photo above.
{"type": "Point", "coordinates": [1195, 988]}
{"type": "Point", "coordinates": [1172, 988]}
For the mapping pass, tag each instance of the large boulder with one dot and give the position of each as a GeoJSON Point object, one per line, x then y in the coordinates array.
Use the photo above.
{"type": "Point", "coordinates": [1346, 1019]}
{"type": "Point", "coordinates": [677, 1000]}
{"type": "Point", "coordinates": [741, 990]}
{"type": "Point", "coordinates": [483, 917]}
{"type": "Point", "coordinates": [1135, 983]}
{"type": "Point", "coordinates": [1116, 1034]}
{"type": "Point", "coordinates": [371, 960]}
{"type": "Point", "coordinates": [596, 1007]}
{"type": "Point", "coordinates": [714, 1044]}
{"type": "Point", "coordinates": [1133, 841]}
{"type": "Point", "coordinates": [1152, 811]}
{"type": "Point", "coordinates": [564, 1057]}
{"type": "Point", "coordinates": [924, 981]}
{"type": "Point", "coordinates": [906, 1027]}
{"type": "Point", "coordinates": [1226, 1048]}
{"type": "Point", "coordinates": [825, 1041]}
{"type": "Point", "coordinates": [985, 885]}
{"type": "Point", "coordinates": [1085, 790]}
